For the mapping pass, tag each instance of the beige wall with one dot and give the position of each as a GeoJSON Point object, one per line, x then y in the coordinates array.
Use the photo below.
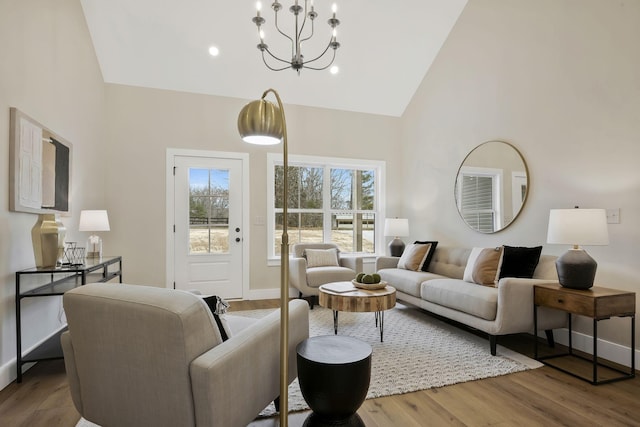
{"type": "Point", "coordinates": [561, 81]}
{"type": "Point", "coordinates": [143, 123]}
{"type": "Point", "coordinates": [48, 69]}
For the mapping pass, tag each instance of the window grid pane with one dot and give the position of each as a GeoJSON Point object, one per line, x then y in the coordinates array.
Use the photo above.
{"type": "Point", "coordinates": [352, 200]}
{"type": "Point", "coordinates": [208, 211]}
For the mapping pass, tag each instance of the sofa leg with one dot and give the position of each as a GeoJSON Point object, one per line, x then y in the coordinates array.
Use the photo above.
{"type": "Point", "coordinates": [492, 344]}
{"type": "Point", "coordinates": [276, 403]}
{"type": "Point", "coordinates": [550, 340]}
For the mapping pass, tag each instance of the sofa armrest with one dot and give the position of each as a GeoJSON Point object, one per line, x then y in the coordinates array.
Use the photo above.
{"type": "Point", "coordinates": [298, 273]}
{"type": "Point", "coordinates": [386, 262]}
{"type": "Point", "coordinates": [353, 262]}
{"type": "Point", "coordinates": [237, 379]}
{"type": "Point", "coordinates": [515, 306]}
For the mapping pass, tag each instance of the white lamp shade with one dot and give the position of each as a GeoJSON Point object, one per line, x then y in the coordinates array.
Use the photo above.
{"type": "Point", "coordinates": [95, 220]}
{"type": "Point", "coordinates": [397, 227]}
{"type": "Point", "coordinates": [578, 227]}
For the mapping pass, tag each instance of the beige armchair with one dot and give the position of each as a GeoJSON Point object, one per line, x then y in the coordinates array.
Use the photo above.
{"type": "Point", "coordinates": [146, 356]}
{"type": "Point", "coordinates": [307, 277]}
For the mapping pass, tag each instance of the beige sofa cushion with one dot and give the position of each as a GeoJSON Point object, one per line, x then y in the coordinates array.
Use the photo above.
{"type": "Point", "coordinates": [449, 261]}
{"type": "Point", "coordinates": [317, 276]}
{"type": "Point", "coordinates": [406, 281]}
{"type": "Point", "coordinates": [479, 301]}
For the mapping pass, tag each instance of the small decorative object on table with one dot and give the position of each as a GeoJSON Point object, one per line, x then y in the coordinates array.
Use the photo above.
{"type": "Point", "coordinates": [73, 255]}
{"type": "Point", "coordinates": [368, 281]}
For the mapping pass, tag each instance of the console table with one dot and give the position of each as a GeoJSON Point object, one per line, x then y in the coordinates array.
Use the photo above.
{"type": "Point", "coordinates": [55, 281]}
{"type": "Point", "coordinates": [596, 303]}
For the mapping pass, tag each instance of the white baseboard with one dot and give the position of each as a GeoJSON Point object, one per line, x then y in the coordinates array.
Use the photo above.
{"type": "Point", "coordinates": [8, 372]}
{"type": "Point", "coordinates": [607, 350]}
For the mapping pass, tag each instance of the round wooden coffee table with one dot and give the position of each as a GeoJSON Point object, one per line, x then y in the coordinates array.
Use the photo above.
{"type": "Point", "coordinates": [343, 296]}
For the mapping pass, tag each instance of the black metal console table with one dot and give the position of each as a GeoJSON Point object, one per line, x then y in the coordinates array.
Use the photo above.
{"type": "Point", "coordinates": [52, 281]}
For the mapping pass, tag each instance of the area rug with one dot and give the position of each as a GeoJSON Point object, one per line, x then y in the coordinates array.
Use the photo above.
{"type": "Point", "coordinates": [419, 352]}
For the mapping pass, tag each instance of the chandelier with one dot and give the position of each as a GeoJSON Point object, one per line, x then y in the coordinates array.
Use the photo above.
{"type": "Point", "coordinates": [304, 16]}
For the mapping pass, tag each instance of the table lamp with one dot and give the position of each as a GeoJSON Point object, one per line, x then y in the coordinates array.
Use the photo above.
{"type": "Point", "coordinates": [396, 227]}
{"type": "Point", "coordinates": [576, 269]}
{"type": "Point", "coordinates": [92, 221]}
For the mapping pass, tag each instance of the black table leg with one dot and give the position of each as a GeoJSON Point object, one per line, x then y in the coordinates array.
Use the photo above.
{"type": "Point", "coordinates": [335, 322]}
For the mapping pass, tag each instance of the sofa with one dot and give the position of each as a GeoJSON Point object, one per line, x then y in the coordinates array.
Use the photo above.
{"type": "Point", "coordinates": [147, 356]}
{"type": "Point", "coordinates": [501, 308]}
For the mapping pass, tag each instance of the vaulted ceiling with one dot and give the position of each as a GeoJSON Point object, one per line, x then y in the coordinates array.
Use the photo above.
{"type": "Point", "coordinates": [386, 49]}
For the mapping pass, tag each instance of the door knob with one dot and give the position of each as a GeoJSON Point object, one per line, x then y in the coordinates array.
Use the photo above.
{"type": "Point", "coordinates": [237, 239]}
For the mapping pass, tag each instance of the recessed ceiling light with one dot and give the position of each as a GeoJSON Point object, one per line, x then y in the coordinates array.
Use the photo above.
{"type": "Point", "coordinates": [214, 51]}
{"type": "Point", "coordinates": [334, 70]}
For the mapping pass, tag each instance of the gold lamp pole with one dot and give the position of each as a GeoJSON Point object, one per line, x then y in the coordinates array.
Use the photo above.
{"type": "Point", "coordinates": [261, 122]}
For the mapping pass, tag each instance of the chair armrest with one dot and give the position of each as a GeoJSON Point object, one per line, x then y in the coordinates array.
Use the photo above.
{"type": "Point", "coordinates": [237, 379]}
{"type": "Point", "coordinates": [386, 262]}
{"type": "Point", "coordinates": [298, 273]}
{"type": "Point", "coordinates": [353, 262]}
{"type": "Point", "coordinates": [71, 369]}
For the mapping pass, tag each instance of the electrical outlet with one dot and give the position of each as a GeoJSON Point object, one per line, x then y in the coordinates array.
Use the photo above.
{"type": "Point", "coordinates": [613, 216]}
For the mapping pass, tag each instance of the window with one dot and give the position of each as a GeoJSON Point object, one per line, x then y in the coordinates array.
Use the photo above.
{"type": "Point", "coordinates": [330, 200]}
{"type": "Point", "coordinates": [208, 210]}
{"type": "Point", "coordinates": [480, 198]}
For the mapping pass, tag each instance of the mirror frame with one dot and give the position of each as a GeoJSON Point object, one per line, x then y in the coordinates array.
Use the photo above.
{"type": "Point", "coordinates": [524, 198]}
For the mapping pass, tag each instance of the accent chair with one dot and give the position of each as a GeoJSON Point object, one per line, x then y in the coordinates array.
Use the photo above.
{"type": "Point", "coordinates": [313, 265]}
{"type": "Point", "coordinates": [148, 356]}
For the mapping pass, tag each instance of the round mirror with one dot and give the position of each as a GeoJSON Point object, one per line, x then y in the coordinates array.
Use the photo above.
{"type": "Point", "coordinates": [491, 186]}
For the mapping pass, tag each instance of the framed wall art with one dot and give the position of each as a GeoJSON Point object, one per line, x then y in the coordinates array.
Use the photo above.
{"type": "Point", "coordinates": [39, 167]}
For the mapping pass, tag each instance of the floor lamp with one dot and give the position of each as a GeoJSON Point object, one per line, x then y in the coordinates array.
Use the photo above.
{"type": "Point", "coordinates": [261, 122]}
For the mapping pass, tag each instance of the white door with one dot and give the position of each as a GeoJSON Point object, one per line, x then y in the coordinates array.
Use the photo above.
{"type": "Point", "coordinates": [208, 225]}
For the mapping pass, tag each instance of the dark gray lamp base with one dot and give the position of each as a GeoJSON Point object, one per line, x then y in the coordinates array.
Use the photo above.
{"type": "Point", "coordinates": [576, 269]}
{"type": "Point", "coordinates": [396, 247]}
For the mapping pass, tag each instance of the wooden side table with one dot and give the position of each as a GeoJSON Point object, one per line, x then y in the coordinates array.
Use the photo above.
{"type": "Point", "coordinates": [343, 296]}
{"type": "Point", "coordinates": [597, 303]}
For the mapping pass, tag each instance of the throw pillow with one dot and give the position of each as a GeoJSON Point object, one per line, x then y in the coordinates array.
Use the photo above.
{"type": "Point", "coordinates": [321, 257]}
{"type": "Point", "coordinates": [218, 308]}
{"type": "Point", "coordinates": [483, 266]}
{"type": "Point", "coordinates": [432, 250]}
{"type": "Point", "coordinates": [414, 256]}
{"type": "Point", "coordinates": [519, 261]}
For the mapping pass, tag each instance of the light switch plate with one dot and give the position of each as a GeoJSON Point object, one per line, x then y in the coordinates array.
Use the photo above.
{"type": "Point", "coordinates": [613, 216]}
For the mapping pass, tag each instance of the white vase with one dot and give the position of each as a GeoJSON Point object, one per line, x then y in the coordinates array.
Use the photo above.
{"type": "Point", "coordinates": [47, 236]}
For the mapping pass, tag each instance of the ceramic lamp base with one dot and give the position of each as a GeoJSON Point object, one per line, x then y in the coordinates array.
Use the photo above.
{"type": "Point", "coordinates": [576, 269]}
{"type": "Point", "coordinates": [396, 247]}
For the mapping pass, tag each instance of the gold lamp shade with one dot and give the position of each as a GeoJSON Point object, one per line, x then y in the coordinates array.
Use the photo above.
{"type": "Point", "coordinates": [260, 122]}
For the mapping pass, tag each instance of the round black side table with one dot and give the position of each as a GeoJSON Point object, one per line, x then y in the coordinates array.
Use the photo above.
{"type": "Point", "coordinates": [334, 373]}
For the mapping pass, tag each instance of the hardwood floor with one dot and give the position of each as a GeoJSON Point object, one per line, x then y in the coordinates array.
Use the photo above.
{"type": "Point", "coordinates": [539, 397]}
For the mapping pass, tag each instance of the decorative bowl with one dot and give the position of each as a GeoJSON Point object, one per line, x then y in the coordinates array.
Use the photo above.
{"type": "Point", "coordinates": [369, 286]}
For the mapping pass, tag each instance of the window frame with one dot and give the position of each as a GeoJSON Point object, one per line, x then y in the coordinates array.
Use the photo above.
{"type": "Point", "coordinates": [379, 166]}
{"type": "Point", "coordinates": [497, 200]}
